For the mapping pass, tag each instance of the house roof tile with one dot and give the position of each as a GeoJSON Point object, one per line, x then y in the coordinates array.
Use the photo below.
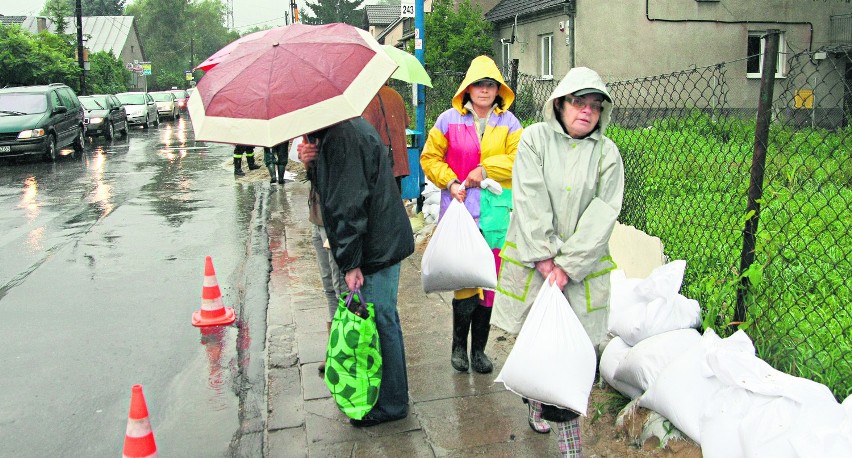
{"type": "Point", "coordinates": [382, 14]}
{"type": "Point", "coordinates": [102, 33]}
{"type": "Point", "coordinates": [11, 19]}
{"type": "Point", "coordinates": [509, 8]}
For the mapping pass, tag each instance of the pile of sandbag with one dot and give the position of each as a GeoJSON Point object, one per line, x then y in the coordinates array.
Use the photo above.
{"type": "Point", "coordinates": [431, 202]}
{"type": "Point", "coordinates": [715, 390]}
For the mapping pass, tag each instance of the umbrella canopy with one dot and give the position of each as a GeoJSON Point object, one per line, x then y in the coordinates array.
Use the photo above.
{"type": "Point", "coordinates": [410, 70]}
{"type": "Point", "coordinates": [222, 53]}
{"type": "Point", "coordinates": [291, 81]}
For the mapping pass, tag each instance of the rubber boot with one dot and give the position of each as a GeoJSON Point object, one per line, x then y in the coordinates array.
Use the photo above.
{"type": "Point", "coordinates": [251, 164]}
{"type": "Point", "coordinates": [480, 326]}
{"type": "Point", "coordinates": [462, 311]}
{"type": "Point", "coordinates": [280, 173]}
{"type": "Point", "coordinates": [238, 167]}
{"type": "Point", "coordinates": [271, 169]}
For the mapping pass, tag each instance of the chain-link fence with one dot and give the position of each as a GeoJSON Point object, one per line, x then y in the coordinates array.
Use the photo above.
{"type": "Point", "coordinates": [765, 227]}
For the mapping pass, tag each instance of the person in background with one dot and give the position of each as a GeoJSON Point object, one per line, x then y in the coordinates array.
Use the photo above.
{"type": "Point", "coordinates": [475, 139]}
{"type": "Point", "coordinates": [275, 158]}
{"type": "Point", "coordinates": [386, 112]}
{"type": "Point", "coordinates": [239, 152]}
{"type": "Point", "coordinates": [568, 186]}
{"type": "Point", "coordinates": [369, 235]}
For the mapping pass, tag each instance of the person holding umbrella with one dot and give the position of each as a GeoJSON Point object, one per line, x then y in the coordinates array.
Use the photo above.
{"type": "Point", "coordinates": [475, 139]}
{"type": "Point", "coordinates": [369, 234]}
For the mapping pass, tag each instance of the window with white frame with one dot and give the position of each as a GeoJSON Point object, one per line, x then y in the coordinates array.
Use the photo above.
{"type": "Point", "coordinates": [546, 55]}
{"type": "Point", "coordinates": [507, 55]}
{"type": "Point", "coordinates": [754, 54]}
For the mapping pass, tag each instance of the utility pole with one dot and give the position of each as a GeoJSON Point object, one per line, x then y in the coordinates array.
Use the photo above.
{"type": "Point", "coordinates": [78, 12]}
{"type": "Point", "coordinates": [419, 53]}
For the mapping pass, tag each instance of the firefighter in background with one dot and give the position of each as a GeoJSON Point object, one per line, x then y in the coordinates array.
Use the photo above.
{"type": "Point", "coordinates": [276, 158]}
{"type": "Point", "coordinates": [239, 152]}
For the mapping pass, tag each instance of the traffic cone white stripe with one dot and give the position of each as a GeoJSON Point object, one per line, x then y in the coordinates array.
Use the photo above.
{"type": "Point", "coordinates": [138, 428]}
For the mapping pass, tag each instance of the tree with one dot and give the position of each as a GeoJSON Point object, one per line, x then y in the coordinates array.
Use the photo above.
{"type": "Point", "coordinates": [454, 37]}
{"type": "Point", "coordinates": [27, 59]}
{"type": "Point", "coordinates": [178, 34]}
{"type": "Point", "coordinates": [106, 74]}
{"type": "Point", "coordinates": [90, 7]}
{"type": "Point", "coordinates": [57, 11]}
{"type": "Point", "coordinates": [329, 11]}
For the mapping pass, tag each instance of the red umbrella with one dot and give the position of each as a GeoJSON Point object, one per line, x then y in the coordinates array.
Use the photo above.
{"type": "Point", "coordinates": [291, 81]}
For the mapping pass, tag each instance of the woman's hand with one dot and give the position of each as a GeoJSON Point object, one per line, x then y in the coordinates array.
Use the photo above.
{"type": "Point", "coordinates": [557, 275]}
{"type": "Point", "coordinates": [474, 178]}
{"type": "Point", "coordinates": [458, 192]}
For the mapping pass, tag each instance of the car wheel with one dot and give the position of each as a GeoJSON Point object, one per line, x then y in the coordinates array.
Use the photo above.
{"type": "Point", "coordinates": [147, 122]}
{"type": "Point", "coordinates": [124, 129]}
{"type": "Point", "coordinates": [157, 120]}
{"type": "Point", "coordinates": [50, 151]}
{"type": "Point", "coordinates": [177, 113]}
{"type": "Point", "coordinates": [110, 131]}
{"type": "Point", "coordinates": [79, 142]}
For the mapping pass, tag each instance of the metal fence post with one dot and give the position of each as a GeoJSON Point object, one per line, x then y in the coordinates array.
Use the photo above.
{"type": "Point", "coordinates": [758, 165]}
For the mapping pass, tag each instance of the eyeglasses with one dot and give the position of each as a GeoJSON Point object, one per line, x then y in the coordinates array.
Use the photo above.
{"type": "Point", "coordinates": [580, 103]}
{"type": "Point", "coordinates": [485, 84]}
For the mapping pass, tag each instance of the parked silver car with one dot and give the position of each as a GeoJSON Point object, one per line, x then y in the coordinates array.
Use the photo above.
{"type": "Point", "coordinates": [166, 104]}
{"type": "Point", "coordinates": [140, 107]}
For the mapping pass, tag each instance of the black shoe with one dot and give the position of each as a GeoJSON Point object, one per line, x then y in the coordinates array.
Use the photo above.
{"type": "Point", "coordinates": [366, 422]}
{"type": "Point", "coordinates": [239, 173]}
{"type": "Point", "coordinates": [253, 166]}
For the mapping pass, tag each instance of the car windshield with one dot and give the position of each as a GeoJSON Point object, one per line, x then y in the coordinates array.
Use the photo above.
{"type": "Point", "coordinates": [163, 96]}
{"type": "Point", "coordinates": [17, 103]}
{"type": "Point", "coordinates": [91, 103]}
{"type": "Point", "coordinates": [180, 94]}
{"type": "Point", "coordinates": [131, 98]}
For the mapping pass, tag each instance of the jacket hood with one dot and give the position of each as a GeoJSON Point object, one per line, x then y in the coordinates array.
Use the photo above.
{"type": "Point", "coordinates": [484, 67]}
{"type": "Point", "coordinates": [578, 79]}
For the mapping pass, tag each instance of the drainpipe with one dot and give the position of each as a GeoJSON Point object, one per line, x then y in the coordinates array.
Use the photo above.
{"type": "Point", "coordinates": [571, 10]}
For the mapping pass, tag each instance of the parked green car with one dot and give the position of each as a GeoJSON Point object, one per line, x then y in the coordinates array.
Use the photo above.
{"type": "Point", "coordinates": [40, 120]}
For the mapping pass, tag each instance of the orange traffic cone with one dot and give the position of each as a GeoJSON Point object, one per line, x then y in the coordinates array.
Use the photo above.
{"type": "Point", "coordinates": [213, 312]}
{"type": "Point", "coordinates": [139, 439]}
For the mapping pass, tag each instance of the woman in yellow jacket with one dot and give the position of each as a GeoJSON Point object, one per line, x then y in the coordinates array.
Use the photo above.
{"type": "Point", "coordinates": [475, 139]}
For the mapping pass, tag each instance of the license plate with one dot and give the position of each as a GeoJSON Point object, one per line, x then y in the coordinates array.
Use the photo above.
{"type": "Point", "coordinates": [5, 149]}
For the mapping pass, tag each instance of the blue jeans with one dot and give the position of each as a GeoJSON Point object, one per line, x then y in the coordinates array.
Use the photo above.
{"type": "Point", "coordinates": [381, 288]}
{"type": "Point", "coordinates": [333, 283]}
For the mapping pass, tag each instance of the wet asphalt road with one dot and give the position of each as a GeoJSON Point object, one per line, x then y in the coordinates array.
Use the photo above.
{"type": "Point", "coordinates": [101, 267]}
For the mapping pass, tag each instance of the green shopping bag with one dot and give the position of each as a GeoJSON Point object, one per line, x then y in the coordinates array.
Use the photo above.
{"type": "Point", "coordinates": [353, 362]}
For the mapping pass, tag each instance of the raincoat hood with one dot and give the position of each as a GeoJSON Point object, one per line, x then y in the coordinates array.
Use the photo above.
{"type": "Point", "coordinates": [577, 79]}
{"type": "Point", "coordinates": [484, 67]}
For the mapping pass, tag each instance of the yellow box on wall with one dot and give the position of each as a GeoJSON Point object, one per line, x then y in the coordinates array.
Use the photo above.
{"type": "Point", "coordinates": [804, 98]}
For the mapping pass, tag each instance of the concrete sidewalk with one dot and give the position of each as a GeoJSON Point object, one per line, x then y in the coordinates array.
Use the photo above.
{"type": "Point", "coordinates": [451, 413]}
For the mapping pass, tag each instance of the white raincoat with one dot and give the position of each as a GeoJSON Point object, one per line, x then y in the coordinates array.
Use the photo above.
{"type": "Point", "coordinates": [567, 196]}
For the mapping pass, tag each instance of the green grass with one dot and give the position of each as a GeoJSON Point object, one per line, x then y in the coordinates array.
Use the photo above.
{"type": "Point", "coordinates": [687, 182]}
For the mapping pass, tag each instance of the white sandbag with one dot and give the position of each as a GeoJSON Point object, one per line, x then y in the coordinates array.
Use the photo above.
{"type": "Point", "coordinates": [684, 387]}
{"type": "Point", "coordinates": [664, 281]}
{"type": "Point", "coordinates": [611, 358]}
{"type": "Point", "coordinates": [553, 359]}
{"type": "Point", "coordinates": [651, 306]}
{"type": "Point", "coordinates": [720, 422]}
{"type": "Point", "coordinates": [639, 322]}
{"type": "Point", "coordinates": [649, 357]}
{"type": "Point", "coordinates": [622, 295]}
{"type": "Point", "coordinates": [457, 256]}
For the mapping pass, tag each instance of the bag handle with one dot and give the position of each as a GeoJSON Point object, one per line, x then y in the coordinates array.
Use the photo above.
{"type": "Point", "coordinates": [361, 308]}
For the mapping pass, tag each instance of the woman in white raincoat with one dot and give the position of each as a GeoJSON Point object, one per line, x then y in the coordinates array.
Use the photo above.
{"type": "Point", "coordinates": [568, 183]}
